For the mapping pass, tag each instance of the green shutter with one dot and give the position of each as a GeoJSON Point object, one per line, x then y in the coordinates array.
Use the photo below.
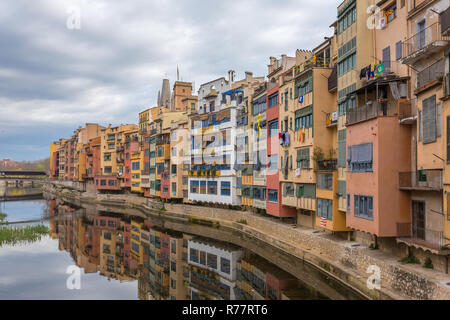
{"type": "Point", "coordinates": [342, 148]}
{"type": "Point", "coordinates": [342, 188]}
{"type": "Point", "coordinates": [306, 190]}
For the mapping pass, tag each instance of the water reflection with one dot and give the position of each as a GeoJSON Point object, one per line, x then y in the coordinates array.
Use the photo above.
{"type": "Point", "coordinates": [168, 264]}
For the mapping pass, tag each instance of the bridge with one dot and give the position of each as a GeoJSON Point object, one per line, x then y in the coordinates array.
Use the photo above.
{"type": "Point", "coordinates": [21, 185]}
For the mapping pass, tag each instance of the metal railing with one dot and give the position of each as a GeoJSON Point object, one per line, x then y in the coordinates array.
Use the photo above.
{"type": "Point", "coordinates": [421, 180]}
{"type": "Point", "coordinates": [431, 73]}
{"type": "Point", "coordinates": [422, 39]}
{"type": "Point", "coordinates": [421, 236]}
{"type": "Point", "coordinates": [328, 164]}
{"type": "Point", "coordinates": [370, 111]}
{"type": "Point", "coordinates": [407, 109]}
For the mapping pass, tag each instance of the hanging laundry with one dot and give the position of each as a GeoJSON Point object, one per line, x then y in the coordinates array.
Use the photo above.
{"type": "Point", "coordinates": [371, 72]}
{"type": "Point", "coordinates": [287, 141]}
{"type": "Point", "coordinates": [363, 72]}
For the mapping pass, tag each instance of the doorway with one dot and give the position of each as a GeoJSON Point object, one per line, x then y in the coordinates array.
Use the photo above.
{"type": "Point", "coordinates": [418, 219]}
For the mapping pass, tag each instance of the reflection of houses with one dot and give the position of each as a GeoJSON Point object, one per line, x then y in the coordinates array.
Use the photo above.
{"type": "Point", "coordinates": [261, 280]}
{"type": "Point", "coordinates": [213, 270]}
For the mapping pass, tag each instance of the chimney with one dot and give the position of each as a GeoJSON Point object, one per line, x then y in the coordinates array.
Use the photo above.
{"type": "Point", "coordinates": [248, 75]}
{"type": "Point", "coordinates": [231, 76]}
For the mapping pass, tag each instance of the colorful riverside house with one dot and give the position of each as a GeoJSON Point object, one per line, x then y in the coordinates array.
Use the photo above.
{"type": "Point", "coordinates": [378, 137]}
{"type": "Point", "coordinates": [212, 178]}
{"type": "Point", "coordinates": [445, 31]}
{"type": "Point", "coordinates": [274, 205]}
{"type": "Point", "coordinates": [244, 137]}
{"type": "Point", "coordinates": [54, 160]}
{"type": "Point", "coordinates": [111, 159]}
{"type": "Point", "coordinates": [93, 152]}
{"type": "Point", "coordinates": [426, 52]}
{"type": "Point", "coordinates": [179, 159]}
{"type": "Point", "coordinates": [127, 149]}
{"type": "Point", "coordinates": [137, 165]}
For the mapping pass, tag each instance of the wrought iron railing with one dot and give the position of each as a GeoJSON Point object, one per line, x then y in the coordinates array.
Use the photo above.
{"type": "Point", "coordinates": [421, 236]}
{"type": "Point", "coordinates": [431, 73]}
{"type": "Point", "coordinates": [370, 111]}
{"type": "Point", "coordinates": [423, 38]}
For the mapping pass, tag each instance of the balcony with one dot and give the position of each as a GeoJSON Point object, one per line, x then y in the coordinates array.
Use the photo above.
{"type": "Point", "coordinates": [332, 119]}
{"type": "Point", "coordinates": [327, 165]}
{"type": "Point", "coordinates": [424, 43]}
{"type": "Point", "coordinates": [371, 110]}
{"type": "Point", "coordinates": [430, 76]}
{"type": "Point", "coordinates": [425, 180]}
{"type": "Point", "coordinates": [407, 111]}
{"type": "Point", "coordinates": [419, 237]}
{"type": "Point", "coordinates": [445, 22]}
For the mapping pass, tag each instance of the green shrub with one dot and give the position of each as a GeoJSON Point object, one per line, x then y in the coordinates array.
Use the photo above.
{"type": "Point", "coordinates": [410, 258]}
{"type": "Point", "coordinates": [428, 264]}
{"type": "Point", "coordinates": [242, 221]}
{"type": "Point", "coordinates": [373, 247]}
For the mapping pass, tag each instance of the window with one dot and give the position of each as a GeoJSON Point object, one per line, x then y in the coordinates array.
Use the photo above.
{"type": "Point", "coordinates": [135, 165]}
{"type": "Point", "coordinates": [420, 125]}
{"type": "Point", "coordinates": [360, 157]}
{"type": "Point", "coordinates": [303, 119]}
{"type": "Point", "coordinates": [173, 284]}
{"type": "Point", "coordinates": [342, 148]}
{"type": "Point", "coordinates": [193, 255]}
{"type": "Point", "coordinates": [398, 50]}
{"type": "Point", "coordinates": [273, 128]}
{"type": "Point", "coordinates": [363, 207]}
{"type": "Point", "coordinates": [160, 152]}
{"type": "Point", "coordinates": [108, 169]}
{"type": "Point", "coordinates": [203, 187]}
{"type": "Point", "coordinates": [111, 146]}
{"type": "Point", "coordinates": [212, 261]}
{"type": "Point", "coordinates": [448, 141]}
{"type": "Point", "coordinates": [174, 169]}
{"type": "Point", "coordinates": [273, 196]}
{"type": "Point", "coordinates": [429, 120]}
{"type": "Point", "coordinates": [303, 158]}
{"type": "Point", "coordinates": [348, 203]}
{"type": "Point", "coordinates": [174, 152]}
{"type": "Point", "coordinates": [174, 188]}
{"type": "Point", "coordinates": [325, 208]}
{"type": "Point", "coordinates": [111, 183]}
{"type": "Point", "coordinates": [225, 265]}
{"type": "Point", "coordinates": [203, 258]}
{"type": "Point", "coordinates": [107, 157]}
{"type": "Point", "coordinates": [225, 188]}
{"type": "Point", "coordinates": [273, 100]}
{"type": "Point", "coordinates": [259, 105]}
{"type": "Point", "coordinates": [391, 13]}
{"type": "Point", "coordinates": [273, 162]}
{"type": "Point", "coordinates": [194, 186]}
{"type": "Point", "coordinates": [134, 246]}
{"type": "Point", "coordinates": [212, 187]}
{"type": "Point", "coordinates": [387, 58]}
{"type": "Point", "coordinates": [288, 189]}
{"type": "Point", "coordinates": [259, 193]}
{"type": "Point", "coordinates": [325, 181]}
{"type": "Point", "coordinates": [347, 64]}
{"type": "Point", "coordinates": [107, 235]}
{"type": "Point", "coordinates": [438, 120]}
{"type": "Point", "coordinates": [346, 19]}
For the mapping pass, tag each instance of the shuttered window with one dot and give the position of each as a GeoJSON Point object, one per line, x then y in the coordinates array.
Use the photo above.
{"type": "Point", "coordinates": [360, 157]}
{"type": "Point", "coordinates": [387, 58]}
{"type": "Point", "coordinates": [307, 190]}
{"type": "Point", "coordinates": [429, 120]}
{"type": "Point", "coordinates": [398, 50]}
{"type": "Point", "coordinates": [341, 148]}
{"type": "Point", "coordinates": [448, 139]}
{"type": "Point", "coordinates": [303, 158]}
{"type": "Point", "coordinates": [342, 188]}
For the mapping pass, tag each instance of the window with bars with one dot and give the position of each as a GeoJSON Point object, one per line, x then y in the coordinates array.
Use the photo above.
{"type": "Point", "coordinates": [325, 181]}
{"type": "Point", "coordinates": [429, 120]}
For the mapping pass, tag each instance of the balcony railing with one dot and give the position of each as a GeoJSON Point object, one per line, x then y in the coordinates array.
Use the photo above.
{"type": "Point", "coordinates": [332, 80]}
{"type": "Point", "coordinates": [432, 73]}
{"type": "Point", "coordinates": [370, 111]}
{"type": "Point", "coordinates": [421, 180]}
{"type": "Point", "coordinates": [328, 164]}
{"type": "Point", "coordinates": [423, 42]}
{"type": "Point", "coordinates": [420, 236]}
{"type": "Point", "coordinates": [407, 111]}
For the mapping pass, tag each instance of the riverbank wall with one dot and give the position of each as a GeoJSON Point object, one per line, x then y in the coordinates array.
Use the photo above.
{"type": "Point", "coordinates": [347, 261]}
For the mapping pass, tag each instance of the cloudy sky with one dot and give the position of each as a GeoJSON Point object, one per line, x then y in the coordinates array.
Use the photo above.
{"type": "Point", "coordinates": [55, 76]}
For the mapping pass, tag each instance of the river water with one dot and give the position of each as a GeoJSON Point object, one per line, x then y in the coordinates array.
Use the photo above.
{"type": "Point", "coordinates": [125, 256]}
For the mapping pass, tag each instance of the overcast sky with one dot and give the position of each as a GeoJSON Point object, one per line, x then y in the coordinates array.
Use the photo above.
{"type": "Point", "coordinates": [54, 77]}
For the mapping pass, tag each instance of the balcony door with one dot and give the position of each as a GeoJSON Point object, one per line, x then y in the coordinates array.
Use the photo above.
{"type": "Point", "coordinates": [421, 34]}
{"type": "Point", "coordinates": [418, 219]}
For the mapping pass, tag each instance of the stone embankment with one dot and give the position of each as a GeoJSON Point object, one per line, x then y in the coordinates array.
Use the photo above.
{"type": "Point", "coordinates": [346, 261]}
